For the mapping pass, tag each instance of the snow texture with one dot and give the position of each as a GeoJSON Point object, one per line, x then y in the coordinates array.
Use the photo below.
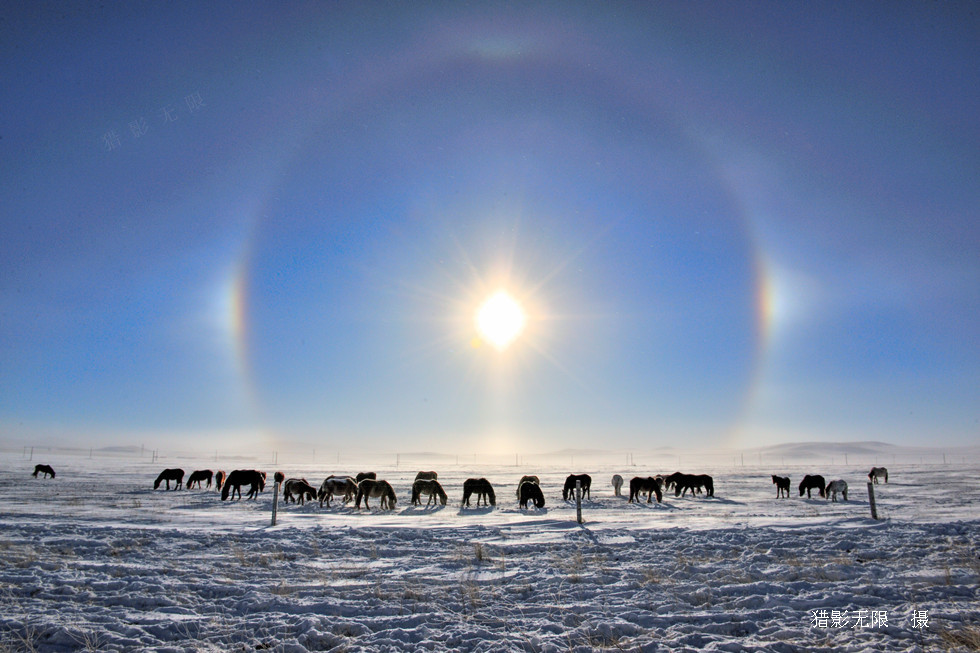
{"type": "Point", "coordinates": [96, 560]}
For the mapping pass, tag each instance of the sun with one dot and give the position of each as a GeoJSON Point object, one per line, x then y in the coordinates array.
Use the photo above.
{"type": "Point", "coordinates": [500, 320]}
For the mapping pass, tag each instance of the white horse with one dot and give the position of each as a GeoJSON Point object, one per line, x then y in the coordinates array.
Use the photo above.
{"type": "Point", "coordinates": [837, 486]}
{"type": "Point", "coordinates": [617, 483]}
{"type": "Point", "coordinates": [876, 473]}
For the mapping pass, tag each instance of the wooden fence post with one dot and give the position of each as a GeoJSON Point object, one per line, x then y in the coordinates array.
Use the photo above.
{"type": "Point", "coordinates": [871, 500]}
{"type": "Point", "coordinates": [275, 502]}
{"type": "Point", "coordinates": [578, 501]}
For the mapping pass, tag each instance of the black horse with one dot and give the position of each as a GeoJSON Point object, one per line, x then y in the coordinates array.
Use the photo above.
{"type": "Point", "coordinates": [176, 475]}
{"type": "Point", "coordinates": [198, 477]}
{"type": "Point", "coordinates": [782, 485]}
{"type": "Point", "coordinates": [530, 491]}
{"type": "Point", "coordinates": [650, 485]}
{"type": "Point", "coordinates": [45, 469]}
{"type": "Point", "coordinates": [233, 484]}
{"type": "Point", "coordinates": [483, 490]}
{"type": "Point", "coordinates": [569, 489]}
{"type": "Point", "coordinates": [814, 482]}
{"type": "Point", "coordinates": [693, 482]}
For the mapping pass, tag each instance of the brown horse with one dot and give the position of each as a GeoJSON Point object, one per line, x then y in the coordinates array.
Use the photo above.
{"type": "Point", "coordinates": [429, 487]}
{"type": "Point", "coordinates": [198, 477]}
{"type": "Point", "coordinates": [371, 487]}
{"type": "Point", "coordinates": [427, 476]}
{"type": "Point", "coordinates": [298, 487]}
{"type": "Point", "coordinates": [234, 482]}
{"type": "Point", "coordinates": [337, 486]}
{"type": "Point", "coordinates": [175, 475]}
{"type": "Point", "coordinates": [527, 479]}
{"type": "Point", "coordinates": [219, 479]}
{"type": "Point", "coordinates": [46, 469]}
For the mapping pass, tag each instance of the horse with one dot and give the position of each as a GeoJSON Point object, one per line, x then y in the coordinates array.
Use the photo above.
{"type": "Point", "coordinates": [427, 476]}
{"type": "Point", "coordinates": [371, 487]}
{"type": "Point", "coordinates": [693, 482]}
{"type": "Point", "coordinates": [569, 489]}
{"type": "Point", "coordinates": [199, 476]}
{"type": "Point", "coordinates": [363, 475]}
{"type": "Point", "coordinates": [234, 482]}
{"type": "Point", "coordinates": [876, 473]}
{"type": "Point", "coordinates": [483, 490]}
{"type": "Point", "coordinates": [336, 485]}
{"type": "Point", "coordinates": [429, 487]}
{"type": "Point", "coordinates": [219, 479]}
{"type": "Point", "coordinates": [527, 479]}
{"type": "Point", "coordinates": [782, 485]}
{"type": "Point", "coordinates": [278, 477]}
{"type": "Point", "coordinates": [837, 486]}
{"type": "Point", "coordinates": [46, 469]}
{"type": "Point", "coordinates": [530, 491]}
{"type": "Point", "coordinates": [300, 488]}
{"type": "Point", "coordinates": [617, 483]}
{"type": "Point", "coordinates": [176, 475]}
{"type": "Point", "coordinates": [814, 482]}
{"type": "Point", "coordinates": [650, 485]}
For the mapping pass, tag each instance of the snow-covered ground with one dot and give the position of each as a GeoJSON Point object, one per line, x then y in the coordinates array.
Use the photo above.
{"type": "Point", "coordinates": [97, 560]}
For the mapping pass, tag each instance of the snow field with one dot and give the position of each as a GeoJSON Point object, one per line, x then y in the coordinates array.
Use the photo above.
{"type": "Point", "coordinates": [96, 560]}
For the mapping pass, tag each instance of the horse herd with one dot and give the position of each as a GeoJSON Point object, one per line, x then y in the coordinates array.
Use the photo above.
{"type": "Point", "coordinates": [426, 485]}
{"type": "Point", "coordinates": [366, 486]}
{"type": "Point", "coordinates": [826, 490]}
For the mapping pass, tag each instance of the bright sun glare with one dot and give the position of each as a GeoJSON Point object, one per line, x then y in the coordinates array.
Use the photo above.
{"type": "Point", "coordinates": [500, 320]}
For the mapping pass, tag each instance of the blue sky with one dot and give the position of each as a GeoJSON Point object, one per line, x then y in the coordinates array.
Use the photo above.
{"type": "Point", "coordinates": [729, 224]}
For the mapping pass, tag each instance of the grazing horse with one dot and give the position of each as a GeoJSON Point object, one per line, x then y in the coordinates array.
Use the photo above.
{"type": "Point", "coordinates": [427, 476]}
{"type": "Point", "coordinates": [337, 485]}
{"type": "Point", "coordinates": [569, 489]}
{"type": "Point", "coordinates": [782, 485]}
{"type": "Point", "coordinates": [617, 483]}
{"type": "Point", "coordinates": [430, 488]}
{"type": "Point", "coordinates": [278, 477]}
{"type": "Point", "coordinates": [363, 475]}
{"type": "Point", "coordinates": [837, 486]}
{"type": "Point", "coordinates": [527, 479]}
{"type": "Point", "coordinates": [530, 491]}
{"type": "Point", "coordinates": [814, 482]}
{"type": "Point", "coordinates": [876, 473]}
{"type": "Point", "coordinates": [198, 476]}
{"type": "Point", "coordinates": [219, 479]}
{"type": "Point", "coordinates": [483, 490]}
{"type": "Point", "coordinates": [234, 482]}
{"type": "Point", "coordinates": [176, 475]}
{"type": "Point", "coordinates": [300, 488]}
{"type": "Point", "coordinates": [371, 487]}
{"type": "Point", "coordinates": [693, 482]}
{"type": "Point", "coordinates": [650, 485]}
{"type": "Point", "coordinates": [45, 469]}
